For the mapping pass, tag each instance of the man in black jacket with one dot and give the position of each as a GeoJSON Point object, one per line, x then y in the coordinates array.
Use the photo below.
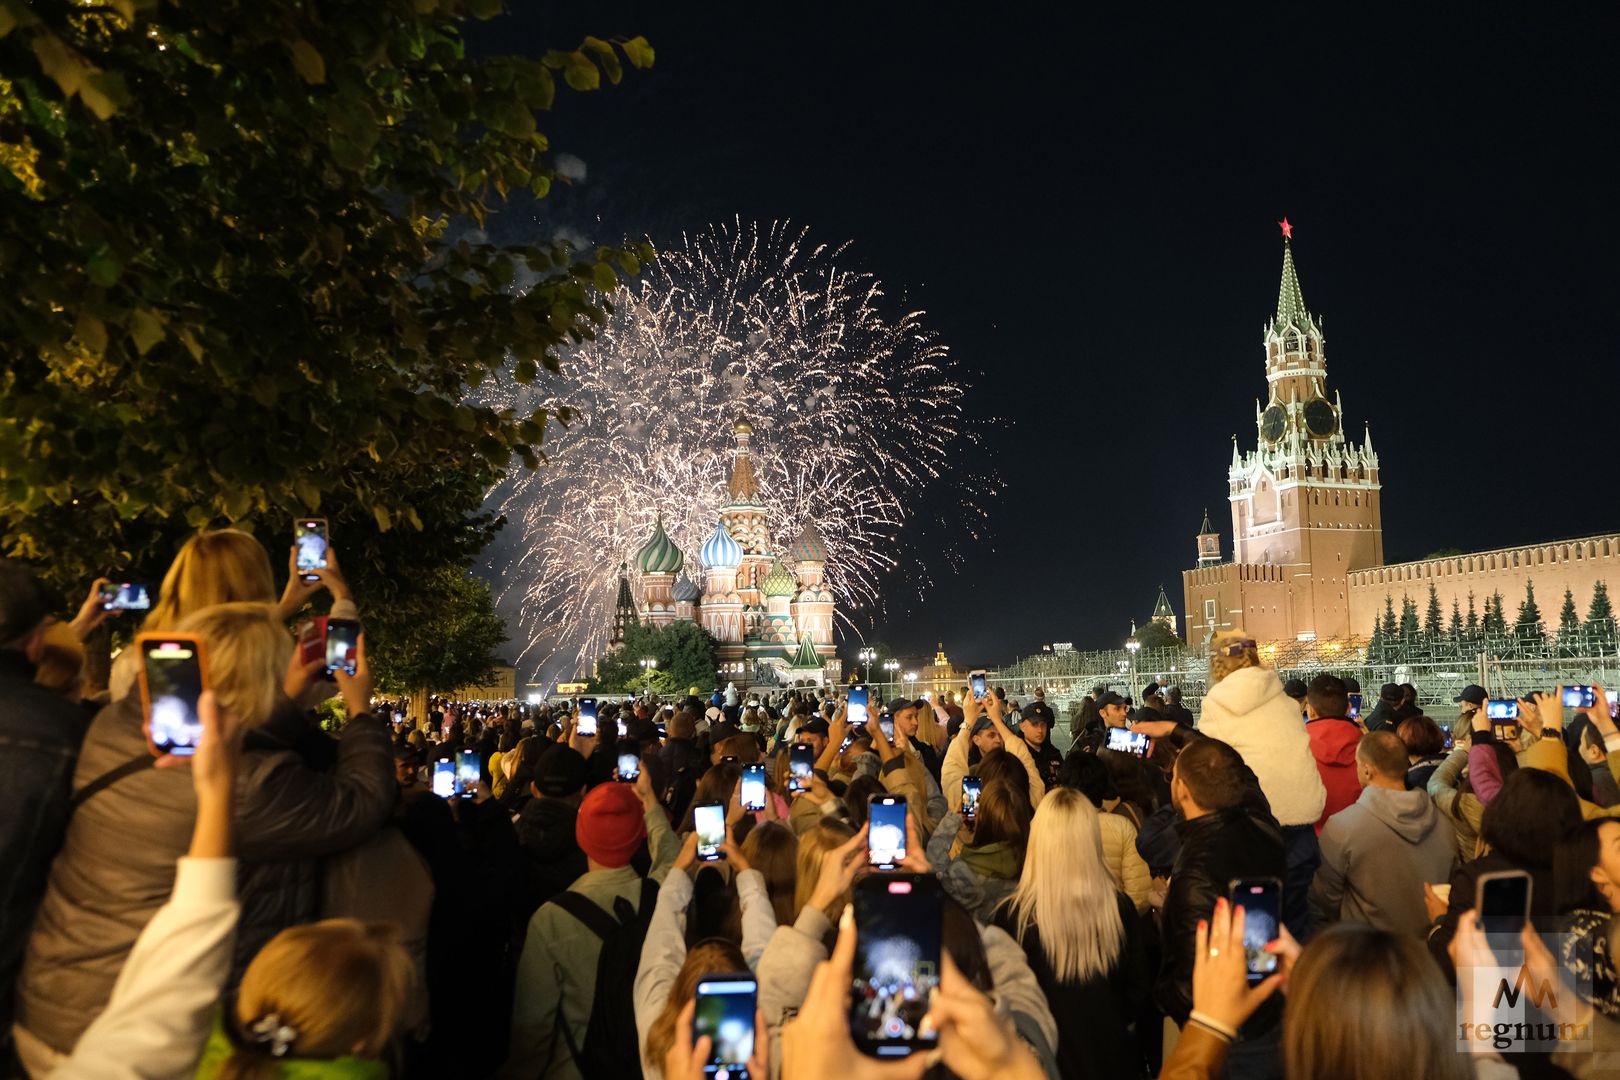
{"type": "Point", "coordinates": [1387, 710]}
{"type": "Point", "coordinates": [545, 826]}
{"type": "Point", "coordinates": [1225, 836]}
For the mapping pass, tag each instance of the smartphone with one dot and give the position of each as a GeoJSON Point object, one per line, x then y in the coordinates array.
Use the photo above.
{"type": "Point", "coordinates": [1614, 703]}
{"type": "Point", "coordinates": [128, 596]}
{"type": "Point", "coordinates": [897, 958]}
{"type": "Point", "coordinates": [859, 696]}
{"type": "Point", "coordinates": [468, 770]}
{"type": "Point", "coordinates": [709, 819]}
{"type": "Point", "coordinates": [342, 640]}
{"type": "Point", "coordinates": [444, 778]}
{"type": "Point", "coordinates": [801, 764]}
{"type": "Point", "coordinates": [1355, 705]}
{"type": "Point", "coordinates": [587, 716]}
{"type": "Point", "coordinates": [1579, 697]}
{"type": "Point", "coordinates": [1126, 741]}
{"type": "Point", "coordinates": [724, 1011]}
{"type": "Point", "coordinates": [753, 786]}
{"type": "Point", "coordinates": [977, 684]}
{"type": "Point", "coordinates": [971, 786]}
{"type": "Point", "coordinates": [310, 540]}
{"type": "Point", "coordinates": [1261, 899]}
{"type": "Point", "coordinates": [629, 766]}
{"type": "Point", "coordinates": [172, 679]}
{"type": "Point", "coordinates": [1502, 709]}
{"type": "Point", "coordinates": [1449, 741]}
{"type": "Point", "coordinates": [1502, 903]}
{"type": "Point", "coordinates": [886, 725]}
{"type": "Point", "coordinates": [886, 831]}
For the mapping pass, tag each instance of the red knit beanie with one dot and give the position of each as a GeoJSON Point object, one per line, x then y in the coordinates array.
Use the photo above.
{"type": "Point", "coordinates": [611, 824]}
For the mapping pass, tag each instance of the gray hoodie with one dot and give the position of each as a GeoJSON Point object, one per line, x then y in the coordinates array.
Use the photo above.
{"type": "Point", "coordinates": [1376, 855]}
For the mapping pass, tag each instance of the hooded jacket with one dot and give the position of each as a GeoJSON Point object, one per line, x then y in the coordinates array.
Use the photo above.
{"type": "Point", "coordinates": [1376, 856]}
{"type": "Point", "coordinates": [1249, 711]}
{"type": "Point", "coordinates": [545, 830]}
{"type": "Point", "coordinates": [1333, 745]}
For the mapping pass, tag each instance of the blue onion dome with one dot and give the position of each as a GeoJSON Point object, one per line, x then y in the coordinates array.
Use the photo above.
{"type": "Point", "coordinates": [779, 582]}
{"type": "Point", "coordinates": [659, 555]}
{"type": "Point", "coordinates": [720, 551]}
{"type": "Point", "coordinates": [809, 547]}
{"type": "Point", "coordinates": [684, 591]}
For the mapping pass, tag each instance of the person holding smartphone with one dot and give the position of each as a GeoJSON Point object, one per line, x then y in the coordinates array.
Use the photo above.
{"type": "Point", "coordinates": [978, 736]}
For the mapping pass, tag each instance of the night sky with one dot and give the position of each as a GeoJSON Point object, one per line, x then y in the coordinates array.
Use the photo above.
{"type": "Point", "coordinates": [1085, 204]}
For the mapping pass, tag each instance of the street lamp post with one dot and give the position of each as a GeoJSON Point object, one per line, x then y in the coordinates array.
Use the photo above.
{"type": "Point", "coordinates": [867, 655]}
{"type": "Point", "coordinates": [891, 666]}
{"type": "Point", "coordinates": [1131, 646]}
{"type": "Point", "coordinates": [911, 685]}
{"type": "Point", "coordinates": [648, 665]}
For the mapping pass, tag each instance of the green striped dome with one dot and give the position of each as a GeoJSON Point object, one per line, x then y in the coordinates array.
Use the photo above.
{"type": "Point", "coordinates": [779, 582]}
{"type": "Point", "coordinates": [659, 555]}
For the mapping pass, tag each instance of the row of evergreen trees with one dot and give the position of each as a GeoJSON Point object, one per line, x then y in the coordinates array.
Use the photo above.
{"type": "Point", "coordinates": [1406, 636]}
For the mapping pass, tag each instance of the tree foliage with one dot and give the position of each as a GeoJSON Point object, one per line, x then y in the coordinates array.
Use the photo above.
{"type": "Point", "coordinates": [685, 653]}
{"type": "Point", "coordinates": [1156, 635]}
{"type": "Point", "coordinates": [458, 648]}
{"type": "Point", "coordinates": [1528, 626]}
{"type": "Point", "coordinates": [233, 293]}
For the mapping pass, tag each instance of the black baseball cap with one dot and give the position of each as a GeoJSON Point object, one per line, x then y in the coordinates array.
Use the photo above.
{"type": "Point", "coordinates": [1040, 712]}
{"type": "Point", "coordinates": [1295, 688]}
{"type": "Point", "coordinates": [1473, 693]}
{"type": "Point", "coordinates": [560, 771]}
{"type": "Point", "coordinates": [900, 705]}
{"type": "Point", "coordinates": [1109, 698]}
{"type": "Point", "coordinates": [817, 726]}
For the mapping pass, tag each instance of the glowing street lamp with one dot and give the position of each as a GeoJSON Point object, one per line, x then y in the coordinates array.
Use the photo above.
{"type": "Point", "coordinates": [649, 665]}
{"type": "Point", "coordinates": [891, 666]}
{"type": "Point", "coordinates": [867, 656]}
{"type": "Point", "coordinates": [1133, 646]}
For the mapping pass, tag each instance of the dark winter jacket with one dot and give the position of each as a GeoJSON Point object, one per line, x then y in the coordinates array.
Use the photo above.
{"type": "Point", "coordinates": [117, 863]}
{"type": "Point", "coordinates": [1215, 849]}
{"type": "Point", "coordinates": [554, 861]}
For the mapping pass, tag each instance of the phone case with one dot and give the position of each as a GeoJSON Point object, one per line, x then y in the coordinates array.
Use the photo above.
{"type": "Point", "coordinates": [141, 641]}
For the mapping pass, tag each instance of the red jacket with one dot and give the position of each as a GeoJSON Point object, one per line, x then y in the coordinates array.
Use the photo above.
{"type": "Point", "coordinates": [1333, 744]}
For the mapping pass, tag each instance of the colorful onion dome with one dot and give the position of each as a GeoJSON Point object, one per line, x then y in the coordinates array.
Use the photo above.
{"type": "Point", "coordinates": [659, 555]}
{"type": "Point", "coordinates": [684, 591]}
{"type": "Point", "coordinates": [779, 582]}
{"type": "Point", "coordinates": [809, 547]}
{"type": "Point", "coordinates": [720, 551]}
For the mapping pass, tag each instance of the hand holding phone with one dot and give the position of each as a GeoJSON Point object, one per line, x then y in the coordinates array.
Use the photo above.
{"type": "Point", "coordinates": [971, 787]}
{"type": "Point", "coordinates": [468, 772]}
{"type": "Point", "coordinates": [886, 831]}
{"type": "Point", "coordinates": [856, 706]}
{"type": "Point", "coordinates": [444, 778]}
{"type": "Point", "coordinates": [587, 718]}
{"type": "Point", "coordinates": [1126, 741]}
{"type": "Point", "coordinates": [976, 681]}
{"type": "Point", "coordinates": [125, 596]}
{"type": "Point", "coordinates": [724, 1009]}
{"type": "Point", "coordinates": [1261, 900]}
{"type": "Point", "coordinates": [342, 642]}
{"type": "Point", "coordinates": [629, 767]}
{"type": "Point", "coordinates": [898, 939]}
{"type": "Point", "coordinates": [172, 678]}
{"type": "Point", "coordinates": [709, 821]}
{"type": "Point", "coordinates": [751, 792]}
{"type": "Point", "coordinates": [310, 544]}
{"type": "Point", "coordinates": [801, 766]}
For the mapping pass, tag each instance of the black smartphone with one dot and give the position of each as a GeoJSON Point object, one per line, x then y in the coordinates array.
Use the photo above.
{"type": "Point", "coordinates": [1355, 705]}
{"type": "Point", "coordinates": [801, 764]}
{"type": "Point", "coordinates": [444, 778]}
{"type": "Point", "coordinates": [342, 642]}
{"type": "Point", "coordinates": [886, 831]}
{"type": "Point", "coordinates": [172, 680]}
{"type": "Point", "coordinates": [1261, 900]}
{"type": "Point", "coordinates": [859, 697]}
{"type": "Point", "coordinates": [587, 716]}
{"type": "Point", "coordinates": [126, 596]}
{"type": "Point", "coordinates": [977, 684]}
{"type": "Point", "coordinates": [897, 960]}
{"type": "Point", "coordinates": [1502, 900]}
{"type": "Point", "coordinates": [310, 540]}
{"type": "Point", "coordinates": [971, 786]}
{"type": "Point", "coordinates": [1579, 697]}
{"type": "Point", "coordinates": [1502, 709]}
{"type": "Point", "coordinates": [629, 766]}
{"type": "Point", "coordinates": [709, 821]}
{"type": "Point", "coordinates": [724, 1010]}
{"type": "Point", "coordinates": [752, 795]}
{"type": "Point", "coordinates": [468, 771]}
{"type": "Point", "coordinates": [1126, 741]}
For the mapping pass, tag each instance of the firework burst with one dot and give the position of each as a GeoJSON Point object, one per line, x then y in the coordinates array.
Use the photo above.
{"type": "Point", "coordinates": [854, 413]}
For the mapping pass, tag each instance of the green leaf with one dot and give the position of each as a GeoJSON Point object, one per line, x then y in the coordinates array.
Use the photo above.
{"type": "Point", "coordinates": [607, 57]}
{"type": "Point", "coordinates": [146, 327]}
{"type": "Point", "coordinates": [104, 268]}
{"type": "Point", "coordinates": [385, 520]}
{"type": "Point", "coordinates": [638, 52]}
{"type": "Point", "coordinates": [104, 93]}
{"type": "Point", "coordinates": [580, 73]}
{"type": "Point", "coordinates": [603, 277]}
{"type": "Point", "coordinates": [308, 62]}
{"type": "Point", "coordinates": [92, 333]}
{"type": "Point", "coordinates": [199, 517]}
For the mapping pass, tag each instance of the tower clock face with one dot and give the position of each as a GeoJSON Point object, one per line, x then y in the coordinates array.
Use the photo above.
{"type": "Point", "coordinates": [1271, 423]}
{"type": "Point", "coordinates": [1319, 418]}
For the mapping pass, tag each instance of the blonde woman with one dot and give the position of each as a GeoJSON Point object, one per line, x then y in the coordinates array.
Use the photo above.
{"type": "Point", "coordinates": [117, 863]}
{"type": "Point", "coordinates": [1247, 709]}
{"type": "Point", "coordinates": [1082, 938]}
{"type": "Point", "coordinates": [320, 1000]}
{"type": "Point", "coordinates": [226, 566]}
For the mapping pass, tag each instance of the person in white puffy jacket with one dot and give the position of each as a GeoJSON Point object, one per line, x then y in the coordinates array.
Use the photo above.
{"type": "Point", "coordinates": [1247, 709]}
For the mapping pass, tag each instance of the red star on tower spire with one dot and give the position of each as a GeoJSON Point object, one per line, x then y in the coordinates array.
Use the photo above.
{"type": "Point", "coordinates": [1288, 230]}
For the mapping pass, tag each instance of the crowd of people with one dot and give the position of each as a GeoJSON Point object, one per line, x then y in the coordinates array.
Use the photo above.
{"type": "Point", "coordinates": [1286, 888]}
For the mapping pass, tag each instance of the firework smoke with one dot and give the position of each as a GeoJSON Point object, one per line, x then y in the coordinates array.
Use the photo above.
{"type": "Point", "coordinates": [854, 416]}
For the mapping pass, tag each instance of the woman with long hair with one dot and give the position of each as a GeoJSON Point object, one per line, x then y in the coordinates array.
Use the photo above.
{"type": "Point", "coordinates": [1082, 939]}
{"type": "Point", "coordinates": [984, 868]}
{"type": "Point", "coordinates": [321, 999]}
{"type": "Point", "coordinates": [714, 956]}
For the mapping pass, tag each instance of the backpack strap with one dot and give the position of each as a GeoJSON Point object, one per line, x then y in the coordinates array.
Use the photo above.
{"type": "Point", "coordinates": [108, 779]}
{"type": "Point", "coordinates": [595, 919]}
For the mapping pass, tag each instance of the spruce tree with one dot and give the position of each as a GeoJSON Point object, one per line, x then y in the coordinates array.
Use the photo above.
{"type": "Point", "coordinates": [1455, 629]}
{"type": "Point", "coordinates": [1569, 626]}
{"type": "Point", "coordinates": [1471, 627]}
{"type": "Point", "coordinates": [1389, 620]}
{"type": "Point", "coordinates": [1409, 621]}
{"type": "Point", "coordinates": [1494, 623]}
{"type": "Point", "coordinates": [1600, 617]}
{"type": "Point", "coordinates": [1528, 627]}
{"type": "Point", "coordinates": [1433, 624]}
